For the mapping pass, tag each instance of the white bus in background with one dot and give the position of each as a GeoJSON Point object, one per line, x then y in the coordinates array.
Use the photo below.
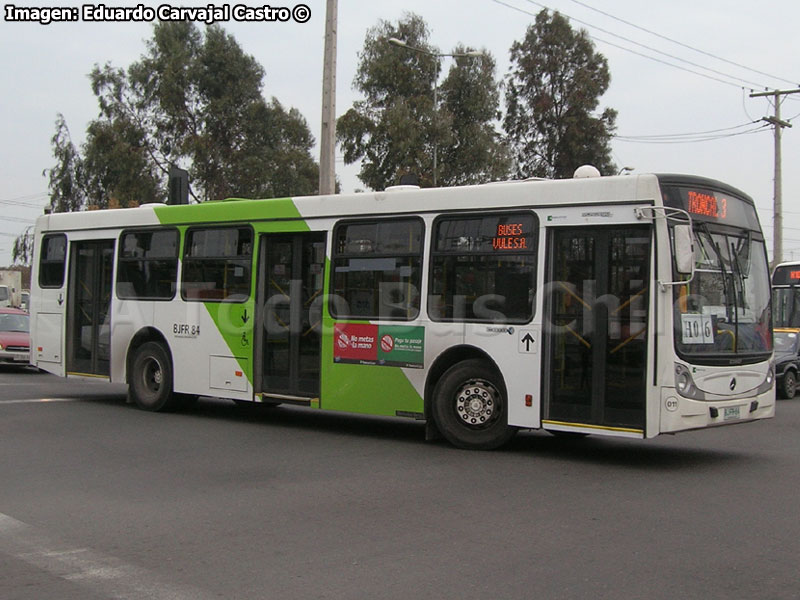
{"type": "Point", "coordinates": [786, 294]}
{"type": "Point", "coordinates": [623, 306]}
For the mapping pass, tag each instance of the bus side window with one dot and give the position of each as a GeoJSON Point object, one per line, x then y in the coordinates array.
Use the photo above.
{"type": "Point", "coordinates": [377, 268]}
{"type": "Point", "coordinates": [52, 261]}
{"type": "Point", "coordinates": [483, 268]}
{"type": "Point", "coordinates": [148, 265]}
{"type": "Point", "coordinates": [217, 263]}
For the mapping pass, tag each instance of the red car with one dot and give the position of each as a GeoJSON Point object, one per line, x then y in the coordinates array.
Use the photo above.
{"type": "Point", "coordinates": [15, 339]}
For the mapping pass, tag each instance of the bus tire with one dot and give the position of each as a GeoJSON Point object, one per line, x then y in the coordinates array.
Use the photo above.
{"type": "Point", "coordinates": [151, 378]}
{"type": "Point", "coordinates": [470, 406]}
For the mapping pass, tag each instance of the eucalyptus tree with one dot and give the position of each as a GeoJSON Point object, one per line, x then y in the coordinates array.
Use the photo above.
{"type": "Point", "coordinates": [553, 91]}
{"type": "Point", "coordinates": [406, 118]}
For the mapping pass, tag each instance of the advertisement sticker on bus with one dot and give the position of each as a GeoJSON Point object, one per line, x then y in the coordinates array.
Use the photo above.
{"type": "Point", "coordinates": [383, 345]}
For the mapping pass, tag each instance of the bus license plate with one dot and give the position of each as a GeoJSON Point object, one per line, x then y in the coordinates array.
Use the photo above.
{"type": "Point", "coordinates": [730, 413]}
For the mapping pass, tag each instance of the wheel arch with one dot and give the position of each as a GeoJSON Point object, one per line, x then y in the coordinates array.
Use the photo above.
{"type": "Point", "coordinates": [447, 359]}
{"type": "Point", "coordinates": [144, 335]}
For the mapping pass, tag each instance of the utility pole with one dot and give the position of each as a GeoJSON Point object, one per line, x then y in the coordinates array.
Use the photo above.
{"type": "Point", "coordinates": [777, 214]}
{"type": "Point", "coordinates": [327, 146]}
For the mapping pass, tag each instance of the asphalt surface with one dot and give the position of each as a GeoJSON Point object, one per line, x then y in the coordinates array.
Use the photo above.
{"type": "Point", "coordinates": [101, 500]}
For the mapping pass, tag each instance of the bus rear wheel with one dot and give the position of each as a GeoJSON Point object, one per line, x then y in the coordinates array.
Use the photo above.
{"type": "Point", "coordinates": [470, 406]}
{"type": "Point", "coordinates": [151, 378]}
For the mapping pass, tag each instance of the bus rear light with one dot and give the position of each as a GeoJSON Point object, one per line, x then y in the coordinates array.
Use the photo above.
{"type": "Point", "coordinates": [528, 400]}
{"type": "Point", "coordinates": [238, 373]}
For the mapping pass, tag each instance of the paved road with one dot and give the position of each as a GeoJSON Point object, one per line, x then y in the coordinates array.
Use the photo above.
{"type": "Point", "coordinates": [100, 500]}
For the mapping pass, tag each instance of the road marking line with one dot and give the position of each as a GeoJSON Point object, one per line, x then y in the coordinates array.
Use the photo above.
{"type": "Point", "coordinates": [101, 573]}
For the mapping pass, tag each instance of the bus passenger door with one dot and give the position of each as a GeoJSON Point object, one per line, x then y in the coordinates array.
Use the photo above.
{"type": "Point", "coordinates": [89, 307]}
{"type": "Point", "coordinates": [289, 320]}
{"type": "Point", "coordinates": [596, 319]}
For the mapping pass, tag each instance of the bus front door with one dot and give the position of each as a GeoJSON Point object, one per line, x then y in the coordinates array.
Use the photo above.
{"type": "Point", "coordinates": [289, 323]}
{"type": "Point", "coordinates": [596, 321]}
{"type": "Point", "coordinates": [89, 307]}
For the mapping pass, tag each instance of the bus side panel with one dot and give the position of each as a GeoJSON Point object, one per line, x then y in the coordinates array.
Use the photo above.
{"type": "Point", "coordinates": [127, 318]}
{"type": "Point", "coordinates": [211, 347]}
{"type": "Point", "coordinates": [367, 386]}
{"type": "Point", "coordinates": [48, 307]}
{"type": "Point", "coordinates": [47, 331]}
{"type": "Point", "coordinates": [517, 352]}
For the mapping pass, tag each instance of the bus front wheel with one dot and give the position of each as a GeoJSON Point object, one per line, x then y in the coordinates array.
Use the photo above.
{"type": "Point", "coordinates": [151, 378]}
{"type": "Point", "coordinates": [470, 406]}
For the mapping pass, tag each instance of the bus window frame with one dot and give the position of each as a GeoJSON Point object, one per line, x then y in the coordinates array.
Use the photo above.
{"type": "Point", "coordinates": [121, 259]}
{"type": "Point", "coordinates": [533, 251]}
{"type": "Point", "coordinates": [334, 302]}
{"type": "Point", "coordinates": [235, 298]}
{"type": "Point", "coordinates": [44, 261]}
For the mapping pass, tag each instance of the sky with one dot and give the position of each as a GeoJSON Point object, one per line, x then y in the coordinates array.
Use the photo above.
{"type": "Point", "coordinates": [681, 71]}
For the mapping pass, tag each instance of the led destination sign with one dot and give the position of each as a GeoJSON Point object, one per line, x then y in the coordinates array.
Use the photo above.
{"type": "Point", "coordinates": [786, 275]}
{"type": "Point", "coordinates": [701, 203]}
{"type": "Point", "coordinates": [510, 236]}
{"type": "Point", "coordinates": [712, 206]}
{"type": "Point", "coordinates": [499, 233]}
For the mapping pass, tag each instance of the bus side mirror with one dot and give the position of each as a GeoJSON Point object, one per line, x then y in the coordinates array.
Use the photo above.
{"type": "Point", "coordinates": [684, 249]}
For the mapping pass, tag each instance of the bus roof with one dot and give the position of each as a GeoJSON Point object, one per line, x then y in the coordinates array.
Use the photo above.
{"type": "Point", "coordinates": [512, 194]}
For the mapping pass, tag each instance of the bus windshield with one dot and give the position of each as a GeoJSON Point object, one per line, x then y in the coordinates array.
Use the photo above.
{"type": "Point", "coordinates": [786, 295]}
{"type": "Point", "coordinates": [724, 312]}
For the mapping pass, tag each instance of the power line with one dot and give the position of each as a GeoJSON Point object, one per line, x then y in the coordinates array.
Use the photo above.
{"type": "Point", "coordinates": [786, 212]}
{"type": "Point", "coordinates": [21, 200]}
{"type": "Point", "coordinates": [664, 62]}
{"type": "Point", "coordinates": [20, 220]}
{"type": "Point", "coordinates": [689, 139]}
{"type": "Point", "coordinates": [631, 51]}
{"type": "Point", "coordinates": [664, 37]}
{"type": "Point", "coordinates": [667, 54]}
{"type": "Point", "coordinates": [695, 133]}
{"type": "Point", "coordinates": [25, 197]}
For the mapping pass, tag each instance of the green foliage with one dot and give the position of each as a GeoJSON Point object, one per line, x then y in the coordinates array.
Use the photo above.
{"type": "Point", "coordinates": [65, 180]}
{"type": "Point", "coordinates": [553, 89]}
{"type": "Point", "coordinates": [117, 169]}
{"type": "Point", "coordinates": [470, 98]}
{"type": "Point", "coordinates": [405, 118]}
{"type": "Point", "coordinates": [193, 99]}
{"type": "Point", "coordinates": [22, 251]}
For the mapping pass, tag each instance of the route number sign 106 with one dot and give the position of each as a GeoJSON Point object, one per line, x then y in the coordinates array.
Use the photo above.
{"type": "Point", "coordinates": [697, 329]}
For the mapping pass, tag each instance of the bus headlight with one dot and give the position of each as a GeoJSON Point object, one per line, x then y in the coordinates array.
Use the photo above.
{"type": "Point", "coordinates": [685, 384]}
{"type": "Point", "coordinates": [768, 382]}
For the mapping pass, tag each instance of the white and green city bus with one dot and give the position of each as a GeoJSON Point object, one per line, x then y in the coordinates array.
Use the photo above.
{"type": "Point", "coordinates": [624, 306]}
{"type": "Point", "coordinates": [786, 294]}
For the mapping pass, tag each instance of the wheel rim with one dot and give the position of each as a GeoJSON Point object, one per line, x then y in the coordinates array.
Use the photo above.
{"type": "Point", "coordinates": [790, 386]}
{"type": "Point", "coordinates": [477, 404]}
{"type": "Point", "coordinates": [152, 376]}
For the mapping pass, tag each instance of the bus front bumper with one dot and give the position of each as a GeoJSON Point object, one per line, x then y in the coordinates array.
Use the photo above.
{"type": "Point", "coordinates": [682, 414]}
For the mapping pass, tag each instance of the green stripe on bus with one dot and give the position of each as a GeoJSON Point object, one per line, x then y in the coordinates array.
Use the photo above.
{"type": "Point", "coordinates": [234, 321]}
{"type": "Point", "coordinates": [227, 211]}
{"type": "Point", "coordinates": [366, 389]}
